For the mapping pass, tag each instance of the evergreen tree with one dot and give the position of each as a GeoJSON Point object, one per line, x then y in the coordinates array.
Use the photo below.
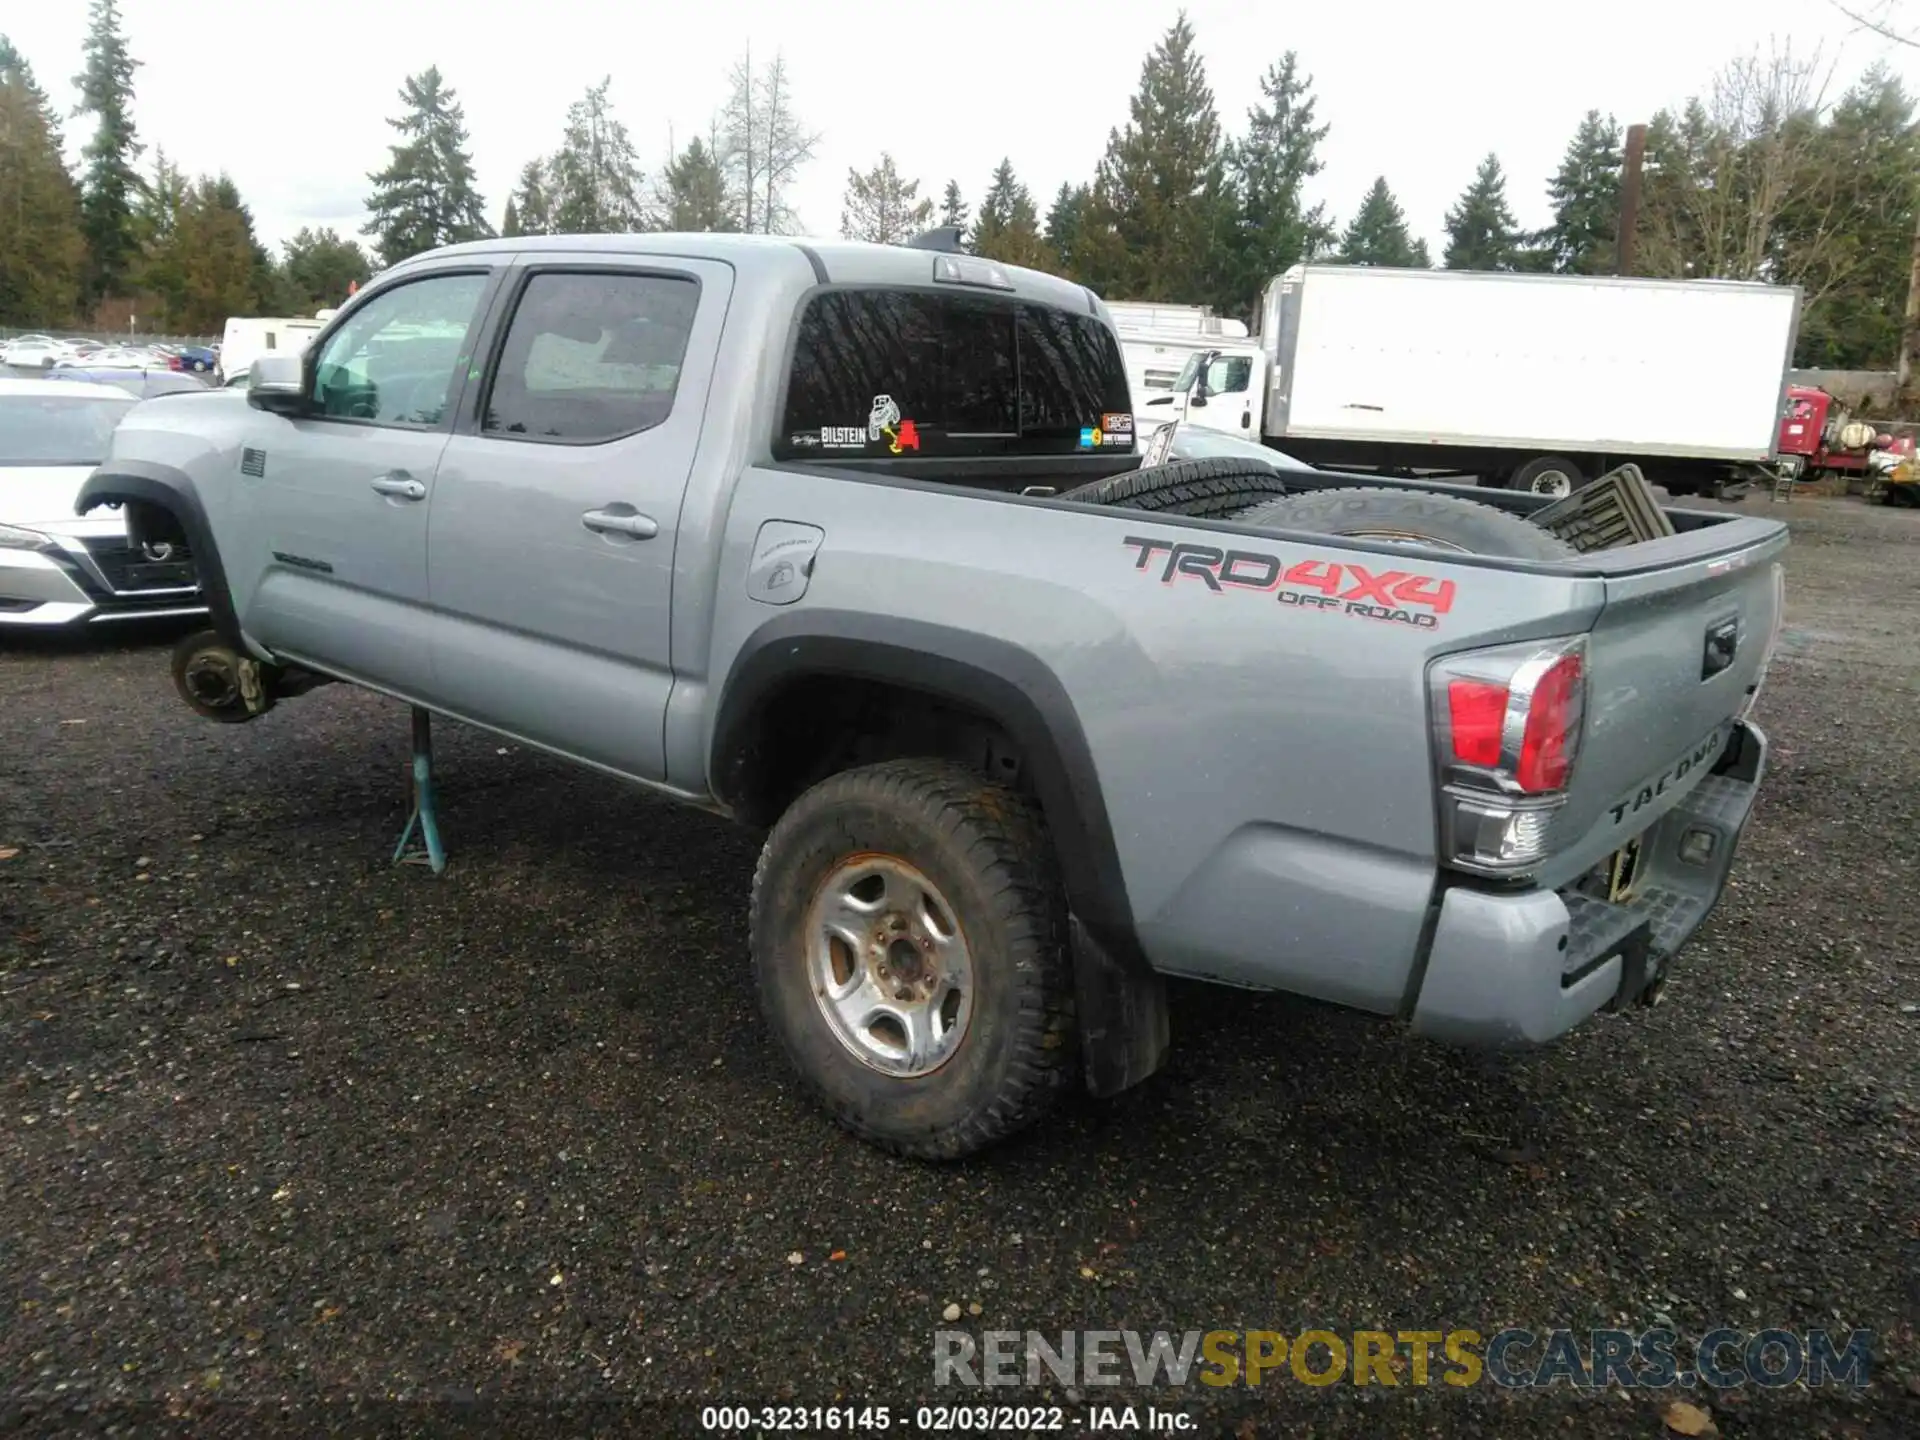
{"type": "Point", "coordinates": [321, 267]}
{"type": "Point", "coordinates": [1066, 218]}
{"type": "Point", "coordinates": [693, 193]}
{"type": "Point", "coordinates": [953, 206]}
{"type": "Point", "coordinates": [1849, 240]}
{"type": "Point", "coordinates": [532, 200]}
{"type": "Point", "coordinates": [1271, 165]}
{"type": "Point", "coordinates": [595, 175]}
{"type": "Point", "coordinates": [270, 292]}
{"type": "Point", "coordinates": [1378, 234]}
{"type": "Point", "coordinates": [158, 272]}
{"type": "Point", "coordinates": [882, 206]}
{"type": "Point", "coordinates": [510, 222]}
{"type": "Point", "coordinates": [1008, 227]}
{"type": "Point", "coordinates": [1162, 184]}
{"type": "Point", "coordinates": [1585, 192]}
{"type": "Point", "coordinates": [1481, 234]}
{"type": "Point", "coordinates": [426, 196]}
{"type": "Point", "coordinates": [110, 184]}
{"type": "Point", "coordinates": [43, 251]}
{"type": "Point", "coordinates": [217, 259]}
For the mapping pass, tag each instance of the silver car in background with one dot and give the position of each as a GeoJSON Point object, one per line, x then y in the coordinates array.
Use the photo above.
{"type": "Point", "coordinates": [57, 569]}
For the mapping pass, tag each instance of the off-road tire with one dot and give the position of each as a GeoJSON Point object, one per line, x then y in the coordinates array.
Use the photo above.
{"type": "Point", "coordinates": [985, 848]}
{"type": "Point", "coordinates": [1216, 487]}
{"type": "Point", "coordinates": [1462, 524]}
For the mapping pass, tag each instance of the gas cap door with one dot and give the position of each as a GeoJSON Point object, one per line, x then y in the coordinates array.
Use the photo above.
{"type": "Point", "coordinates": [782, 561]}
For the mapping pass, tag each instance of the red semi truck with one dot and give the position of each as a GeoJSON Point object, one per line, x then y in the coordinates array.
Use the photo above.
{"type": "Point", "coordinates": [1819, 437]}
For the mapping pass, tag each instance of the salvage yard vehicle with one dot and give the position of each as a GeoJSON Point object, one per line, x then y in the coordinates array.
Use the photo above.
{"type": "Point", "coordinates": [1533, 382]}
{"type": "Point", "coordinates": [57, 569]}
{"type": "Point", "coordinates": [852, 543]}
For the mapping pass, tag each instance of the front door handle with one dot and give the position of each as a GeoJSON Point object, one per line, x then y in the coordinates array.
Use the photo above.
{"type": "Point", "coordinates": [614, 522]}
{"type": "Point", "coordinates": [401, 486]}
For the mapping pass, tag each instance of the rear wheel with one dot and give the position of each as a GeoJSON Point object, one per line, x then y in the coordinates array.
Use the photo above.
{"type": "Point", "coordinates": [1215, 487]}
{"type": "Point", "coordinates": [1406, 517]}
{"type": "Point", "coordinates": [908, 936]}
{"type": "Point", "coordinates": [1553, 475]}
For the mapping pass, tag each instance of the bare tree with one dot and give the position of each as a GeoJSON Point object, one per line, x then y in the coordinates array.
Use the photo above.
{"type": "Point", "coordinates": [743, 144]}
{"type": "Point", "coordinates": [1885, 18]}
{"type": "Point", "coordinates": [765, 143]}
{"type": "Point", "coordinates": [1733, 164]}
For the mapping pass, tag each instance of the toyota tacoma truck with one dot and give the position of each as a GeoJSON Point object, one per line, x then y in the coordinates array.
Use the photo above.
{"type": "Point", "coordinates": [852, 543]}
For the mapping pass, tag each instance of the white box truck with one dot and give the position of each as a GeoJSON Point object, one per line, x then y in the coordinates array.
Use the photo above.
{"type": "Point", "coordinates": [1538, 382]}
{"type": "Point", "coordinates": [1159, 343]}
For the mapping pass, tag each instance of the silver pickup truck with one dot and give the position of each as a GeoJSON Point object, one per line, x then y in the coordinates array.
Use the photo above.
{"type": "Point", "coordinates": [852, 543]}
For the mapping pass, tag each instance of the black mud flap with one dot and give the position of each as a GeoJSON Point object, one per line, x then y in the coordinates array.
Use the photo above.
{"type": "Point", "coordinates": [1122, 1010]}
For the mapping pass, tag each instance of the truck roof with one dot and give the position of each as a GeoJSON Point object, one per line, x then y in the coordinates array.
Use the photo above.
{"type": "Point", "coordinates": [834, 261]}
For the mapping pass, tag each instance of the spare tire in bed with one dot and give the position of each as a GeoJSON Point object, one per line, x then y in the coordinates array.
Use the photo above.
{"type": "Point", "coordinates": [1217, 487]}
{"type": "Point", "coordinates": [1408, 517]}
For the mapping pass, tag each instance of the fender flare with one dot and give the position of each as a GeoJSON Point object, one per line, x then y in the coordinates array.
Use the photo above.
{"type": "Point", "coordinates": [1010, 685]}
{"type": "Point", "coordinates": [145, 483]}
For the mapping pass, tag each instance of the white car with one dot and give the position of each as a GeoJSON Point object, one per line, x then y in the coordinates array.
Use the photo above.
{"type": "Point", "coordinates": [56, 568]}
{"type": "Point", "coordinates": [115, 357]}
{"type": "Point", "coordinates": [34, 352]}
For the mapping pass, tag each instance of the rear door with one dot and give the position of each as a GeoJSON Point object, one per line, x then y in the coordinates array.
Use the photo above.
{"type": "Point", "coordinates": [550, 550]}
{"type": "Point", "coordinates": [332, 567]}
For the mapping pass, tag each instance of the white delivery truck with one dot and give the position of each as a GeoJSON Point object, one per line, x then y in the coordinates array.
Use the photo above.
{"type": "Point", "coordinates": [1538, 382]}
{"type": "Point", "coordinates": [1159, 343]}
{"type": "Point", "coordinates": [248, 336]}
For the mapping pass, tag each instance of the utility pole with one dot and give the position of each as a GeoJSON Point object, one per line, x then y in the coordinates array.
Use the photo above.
{"type": "Point", "coordinates": [1623, 245]}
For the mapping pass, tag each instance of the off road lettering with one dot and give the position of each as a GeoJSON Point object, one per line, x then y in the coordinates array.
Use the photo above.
{"type": "Point", "coordinates": [1396, 596]}
{"type": "Point", "coordinates": [1391, 595]}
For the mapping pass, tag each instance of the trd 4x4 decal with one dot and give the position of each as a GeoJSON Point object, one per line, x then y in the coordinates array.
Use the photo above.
{"type": "Point", "coordinates": [1342, 587]}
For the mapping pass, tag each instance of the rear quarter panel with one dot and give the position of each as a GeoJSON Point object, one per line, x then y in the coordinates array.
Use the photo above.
{"type": "Point", "coordinates": [1266, 766]}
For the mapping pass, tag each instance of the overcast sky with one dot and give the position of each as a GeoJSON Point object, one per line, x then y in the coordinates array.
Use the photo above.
{"type": "Point", "coordinates": [291, 99]}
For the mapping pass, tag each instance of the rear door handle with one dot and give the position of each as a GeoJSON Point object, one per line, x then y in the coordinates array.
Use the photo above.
{"type": "Point", "coordinates": [611, 522]}
{"type": "Point", "coordinates": [401, 486]}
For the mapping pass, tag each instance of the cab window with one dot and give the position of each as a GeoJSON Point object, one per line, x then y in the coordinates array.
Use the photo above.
{"type": "Point", "coordinates": [590, 357]}
{"type": "Point", "coordinates": [909, 374]}
{"type": "Point", "coordinates": [396, 359]}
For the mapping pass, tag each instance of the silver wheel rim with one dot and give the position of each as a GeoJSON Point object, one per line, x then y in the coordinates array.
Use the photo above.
{"type": "Point", "coordinates": [1552, 482]}
{"type": "Point", "coordinates": [889, 966]}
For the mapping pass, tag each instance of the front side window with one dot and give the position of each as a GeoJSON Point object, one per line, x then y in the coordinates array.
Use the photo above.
{"type": "Point", "coordinates": [591, 357]}
{"type": "Point", "coordinates": [1229, 374]}
{"type": "Point", "coordinates": [908, 373]}
{"type": "Point", "coordinates": [397, 358]}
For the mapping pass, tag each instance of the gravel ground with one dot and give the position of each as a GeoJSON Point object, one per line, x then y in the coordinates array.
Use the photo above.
{"type": "Point", "coordinates": [284, 1125]}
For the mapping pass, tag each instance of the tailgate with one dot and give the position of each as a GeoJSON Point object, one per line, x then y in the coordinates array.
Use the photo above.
{"type": "Point", "coordinates": [1673, 660]}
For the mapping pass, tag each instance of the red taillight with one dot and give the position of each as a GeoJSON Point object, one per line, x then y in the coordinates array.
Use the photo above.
{"type": "Point", "coordinates": [1553, 721]}
{"type": "Point", "coordinates": [1476, 714]}
{"type": "Point", "coordinates": [1549, 686]}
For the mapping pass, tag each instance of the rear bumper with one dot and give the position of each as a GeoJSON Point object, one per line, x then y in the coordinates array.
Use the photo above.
{"type": "Point", "coordinates": [66, 585]}
{"type": "Point", "coordinates": [1523, 969]}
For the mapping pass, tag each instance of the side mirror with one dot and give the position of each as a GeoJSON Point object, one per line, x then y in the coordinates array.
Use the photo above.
{"type": "Point", "coordinates": [1198, 399]}
{"type": "Point", "coordinates": [277, 384]}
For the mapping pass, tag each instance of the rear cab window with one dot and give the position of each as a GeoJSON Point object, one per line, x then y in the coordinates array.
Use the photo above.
{"type": "Point", "coordinates": [907, 374]}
